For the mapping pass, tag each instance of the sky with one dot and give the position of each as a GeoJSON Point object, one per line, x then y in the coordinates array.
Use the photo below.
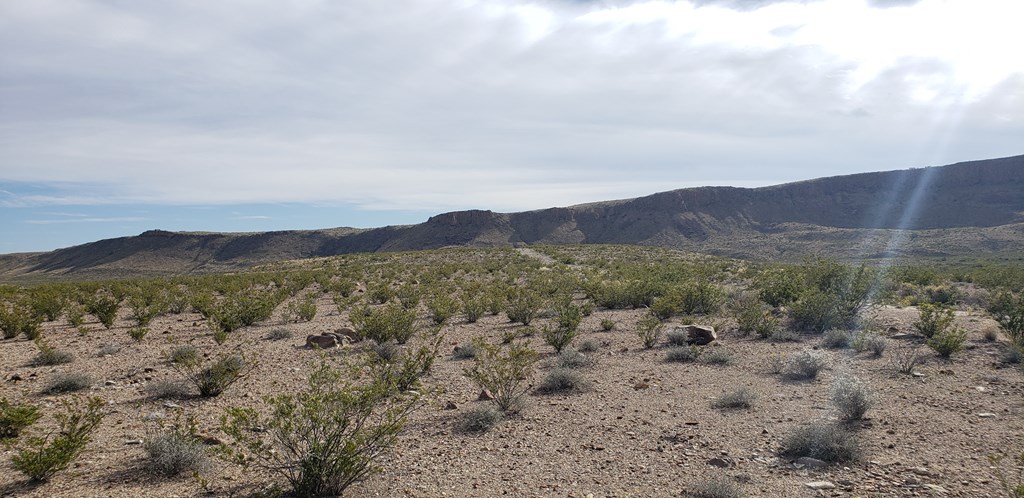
{"type": "Point", "coordinates": [120, 116]}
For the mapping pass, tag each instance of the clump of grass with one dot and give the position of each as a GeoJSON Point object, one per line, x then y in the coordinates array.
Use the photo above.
{"type": "Point", "coordinates": [784, 335]}
{"type": "Point", "coordinates": [805, 365]}
{"type": "Point", "coordinates": [683, 354]}
{"type": "Point", "coordinates": [167, 389]}
{"type": "Point", "coordinates": [175, 450]}
{"type": "Point", "coordinates": [905, 357]}
{"type": "Point", "coordinates": [607, 325]}
{"type": "Point", "coordinates": [677, 337]}
{"type": "Point", "coordinates": [869, 341]}
{"type": "Point", "coordinates": [67, 383]}
{"type": "Point", "coordinates": [466, 351]}
{"type": "Point", "coordinates": [574, 359]}
{"type": "Point", "coordinates": [15, 417]}
{"type": "Point", "coordinates": [589, 346]}
{"type": "Point", "coordinates": [214, 378]}
{"type": "Point", "coordinates": [717, 487]}
{"type": "Point", "coordinates": [479, 419]}
{"type": "Point", "coordinates": [387, 352]}
{"type": "Point", "coordinates": [851, 397]}
{"type": "Point", "coordinates": [836, 339]}
{"type": "Point", "coordinates": [741, 398]}
{"type": "Point", "coordinates": [563, 380]}
{"type": "Point", "coordinates": [279, 334]}
{"type": "Point", "coordinates": [183, 354]}
{"type": "Point", "coordinates": [821, 440]}
{"type": "Point", "coordinates": [717, 357]}
{"type": "Point", "coordinates": [49, 356]}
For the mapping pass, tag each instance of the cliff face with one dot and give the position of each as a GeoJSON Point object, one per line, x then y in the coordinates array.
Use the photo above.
{"type": "Point", "coordinates": [978, 201]}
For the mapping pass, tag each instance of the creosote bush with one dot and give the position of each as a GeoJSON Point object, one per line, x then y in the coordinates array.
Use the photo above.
{"type": "Point", "coordinates": [948, 342]}
{"type": "Point", "coordinates": [301, 310]}
{"type": "Point", "coordinates": [327, 437]}
{"type": "Point", "coordinates": [822, 440]}
{"type": "Point", "coordinates": [386, 323]}
{"type": "Point", "coordinates": [1009, 312]}
{"type": "Point", "coordinates": [15, 417]}
{"type": "Point", "coordinates": [649, 329]}
{"type": "Point", "coordinates": [836, 339]}
{"type": "Point", "coordinates": [522, 305]}
{"type": "Point", "coordinates": [104, 308]}
{"type": "Point", "coordinates": [40, 457]}
{"type": "Point", "coordinates": [607, 325]}
{"type": "Point", "coordinates": [933, 319]}
{"type": "Point", "coordinates": [505, 374]}
{"type": "Point", "coordinates": [214, 378]}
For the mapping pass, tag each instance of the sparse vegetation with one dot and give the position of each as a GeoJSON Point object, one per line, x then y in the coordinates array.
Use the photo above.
{"type": "Point", "coordinates": [48, 356]}
{"type": "Point", "coordinates": [67, 383]}
{"type": "Point", "coordinates": [503, 374]}
{"type": "Point", "coordinates": [948, 342]}
{"type": "Point", "coordinates": [851, 397]}
{"type": "Point", "coordinates": [479, 419]}
{"type": "Point", "coordinates": [390, 322]}
{"type": "Point", "coordinates": [15, 417]}
{"type": "Point", "coordinates": [176, 449]}
{"type": "Point", "coordinates": [717, 487]}
{"type": "Point", "coordinates": [649, 329]}
{"type": "Point", "coordinates": [836, 339]}
{"type": "Point", "coordinates": [905, 357]}
{"type": "Point", "coordinates": [740, 398]}
{"type": "Point", "coordinates": [717, 356]}
{"type": "Point", "coordinates": [934, 320]}
{"type": "Point", "coordinates": [683, 354]}
{"type": "Point", "coordinates": [279, 334]}
{"type": "Point", "coordinates": [41, 457]}
{"type": "Point", "coordinates": [562, 381]}
{"type": "Point", "coordinates": [822, 440]}
{"type": "Point", "coordinates": [805, 365]}
{"type": "Point", "coordinates": [213, 378]}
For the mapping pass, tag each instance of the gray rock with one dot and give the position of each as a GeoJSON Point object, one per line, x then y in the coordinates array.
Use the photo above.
{"type": "Point", "coordinates": [700, 334]}
{"type": "Point", "coordinates": [820, 485]}
{"type": "Point", "coordinates": [811, 463]}
{"type": "Point", "coordinates": [722, 463]}
{"type": "Point", "coordinates": [321, 341]}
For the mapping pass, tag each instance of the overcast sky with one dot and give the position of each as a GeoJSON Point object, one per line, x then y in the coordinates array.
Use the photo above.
{"type": "Point", "coordinates": [120, 116]}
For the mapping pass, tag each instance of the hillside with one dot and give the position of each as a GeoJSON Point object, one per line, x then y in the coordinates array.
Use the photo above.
{"type": "Point", "coordinates": [960, 209]}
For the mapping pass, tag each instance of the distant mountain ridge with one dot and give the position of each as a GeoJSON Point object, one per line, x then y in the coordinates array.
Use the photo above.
{"type": "Point", "coordinates": [961, 208]}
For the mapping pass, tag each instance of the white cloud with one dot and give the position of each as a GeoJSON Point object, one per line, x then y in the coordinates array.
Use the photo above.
{"type": "Point", "coordinates": [500, 104]}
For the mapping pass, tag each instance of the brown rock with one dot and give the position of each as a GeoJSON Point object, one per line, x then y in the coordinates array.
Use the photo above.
{"type": "Point", "coordinates": [700, 334]}
{"type": "Point", "coordinates": [321, 341]}
{"type": "Point", "coordinates": [721, 462]}
{"type": "Point", "coordinates": [347, 332]}
{"type": "Point", "coordinates": [485, 395]}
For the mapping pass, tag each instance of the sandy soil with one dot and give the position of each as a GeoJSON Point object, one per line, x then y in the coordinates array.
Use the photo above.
{"type": "Point", "coordinates": [646, 427]}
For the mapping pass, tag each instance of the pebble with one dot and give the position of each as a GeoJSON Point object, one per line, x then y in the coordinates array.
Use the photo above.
{"type": "Point", "coordinates": [820, 485]}
{"type": "Point", "coordinates": [168, 404]}
{"type": "Point", "coordinates": [133, 441]}
{"type": "Point", "coordinates": [987, 415]}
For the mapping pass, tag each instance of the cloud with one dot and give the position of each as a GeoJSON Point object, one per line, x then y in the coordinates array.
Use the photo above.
{"type": "Point", "coordinates": [500, 104]}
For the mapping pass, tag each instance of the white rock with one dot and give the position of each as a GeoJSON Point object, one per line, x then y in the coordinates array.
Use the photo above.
{"type": "Point", "coordinates": [820, 485]}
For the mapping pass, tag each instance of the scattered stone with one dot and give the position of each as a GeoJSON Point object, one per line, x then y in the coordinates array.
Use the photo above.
{"type": "Point", "coordinates": [485, 395]}
{"type": "Point", "coordinates": [699, 334]}
{"type": "Point", "coordinates": [148, 370]}
{"type": "Point", "coordinates": [641, 385]}
{"type": "Point", "coordinates": [820, 485]}
{"type": "Point", "coordinates": [722, 463]}
{"type": "Point", "coordinates": [348, 333]}
{"type": "Point", "coordinates": [811, 463]}
{"type": "Point", "coordinates": [918, 374]}
{"type": "Point", "coordinates": [987, 415]}
{"type": "Point", "coordinates": [322, 341]}
{"type": "Point", "coordinates": [921, 471]}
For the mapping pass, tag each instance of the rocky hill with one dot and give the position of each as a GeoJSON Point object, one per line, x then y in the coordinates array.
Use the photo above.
{"type": "Point", "coordinates": [965, 208]}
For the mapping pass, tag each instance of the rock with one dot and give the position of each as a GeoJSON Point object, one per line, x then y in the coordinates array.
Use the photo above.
{"type": "Point", "coordinates": [109, 383]}
{"type": "Point", "coordinates": [811, 463]}
{"type": "Point", "coordinates": [451, 406]}
{"type": "Point", "coordinates": [349, 333]}
{"type": "Point", "coordinates": [485, 395]}
{"type": "Point", "coordinates": [641, 385]}
{"type": "Point", "coordinates": [722, 463]}
{"type": "Point", "coordinates": [987, 415]}
{"type": "Point", "coordinates": [935, 488]}
{"type": "Point", "coordinates": [921, 471]}
{"type": "Point", "coordinates": [168, 404]}
{"type": "Point", "coordinates": [321, 341]}
{"type": "Point", "coordinates": [699, 334]}
{"type": "Point", "coordinates": [133, 441]}
{"type": "Point", "coordinates": [15, 378]}
{"type": "Point", "coordinates": [820, 485]}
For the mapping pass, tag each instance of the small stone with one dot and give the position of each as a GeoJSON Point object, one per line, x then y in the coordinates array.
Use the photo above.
{"type": "Point", "coordinates": [451, 406]}
{"type": "Point", "coordinates": [820, 485]}
{"type": "Point", "coordinates": [918, 374]}
{"type": "Point", "coordinates": [210, 440]}
{"type": "Point", "coordinates": [811, 463]}
{"type": "Point", "coordinates": [485, 395]}
{"type": "Point", "coordinates": [722, 463]}
{"type": "Point", "coordinates": [641, 385]}
{"type": "Point", "coordinates": [133, 441]}
{"type": "Point", "coordinates": [15, 378]}
{"type": "Point", "coordinates": [168, 404]}
{"type": "Point", "coordinates": [987, 415]}
{"type": "Point", "coordinates": [921, 471]}
{"type": "Point", "coordinates": [110, 383]}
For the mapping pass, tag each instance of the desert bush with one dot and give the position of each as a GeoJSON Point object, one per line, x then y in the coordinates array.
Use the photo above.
{"type": "Point", "coordinates": [649, 330]}
{"type": "Point", "coordinates": [677, 337]}
{"type": "Point", "coordinates": [241, 310]}
{"type": "Point", "coordinates": [15, 417]}
{"type": "Point", "coordinates": [409, 296]}
{"type": "Point", "coordinates": [943, 294]}
{"type": "Point", "coordinates": [167, 389]}
{"type": "Point", "coordinates": [751, 315]}
{"type": "Point", "coordinates": [40, 457]}
{"type": "Point", "coordinates": [441, 307]}
{"type": "Point", "coordinates": [775, 364]}
{"type": "Point", "coordinates": [19, 319]}
{"type": "Point", "coordinates": [905, 357]}
{"type": "Point", "coordinates": [1009, 312]}
{"type": "Point", "coordinates": [570, 359]}
{"type": "Point", "coordinates": [405, 368]}
{"type": "Point", "coordinates": [380, 293]}
{"type": "Point", "coordinates": [183, 354]}
{"type": "Point", "coordinates": [473, 308]}
{"type": "Point", "coordinates": [716, 487]}
{"type": "Point", "coordinates": [823, 441]}
{"type": "Point", "coordinates": [104, 308]}
{"type": "Point", "coordinates": [1012, 355]}
{"type": "Point", "coordinates": [1012, 486]}
{"type": "Point", "coordinates": [851, 397]}
{"type": "Point", "coordinates": [387, 352]}
{"type": "Point", "coordinates": [836, 339]}
{"type": "Point", "coordinates": [558, 337]}
{"type": "Point", "coordinates": [779, 286]}
{"type": "Point", "coordinates": [75, 315]}
{"type": "Point", "coordinates": [740, 398]}
{"type": "Point", "coordinates": [607, 325]}
{"type": "Point", "coordinates": [805, 365]}
{"type": "Point", "coordinates": [949, 341]}
{"type": "Point", "coordinates": [47, 302]}
{"type": "Point", "coordinates": [279, 334]}
{"type": "Point", "coordinates": [479, 419]}
{"type": "Point", "coordinates": [784, 335]}
{"type": "Point", "coordinates": [699, 297]}
{"type": "Point", "coordinates": [137, 333]}
{"type": "Point", "coordinates": [145, 304]}
{"type": "Point", "coordinates": [386, 323]}
{"type": "Point", "coordinates": [327, 437]}
{"type": "Point", "coordinates": [176, 449]}
{"type": "Point", "coordinates": [523, 306]}
{"type": "Point", "coordinates": [869, 341]}
{"type": "Point", "coordinates": [717, 357]}
{"type": "Point", "coordinates": [213, 378]}
{"type": "Point", "coordinates": [466, 351]}
{"type": "Point", "coordinates": [563, 380]}
{"type": "Point", "coordinates": [67, 382]}
{"type": "Point", "coordinates": [834, 296]}
{"type": "Point", "coordinates": [301, 310]}
{"type": "Point", "coordinates": [683, 354]}
{"type": "Point", "coordinates": [504, 375]}
{"type": "Point", "coordinates": [589, 346]}
{"type": "Point", "coordinates": [48, 356]}
{"type": "Point", "coordinates": [495, 299]}
{"type": "Point", "coordinates": [620, 294]}
{"type": "Point", "coordinates": [933, 319]}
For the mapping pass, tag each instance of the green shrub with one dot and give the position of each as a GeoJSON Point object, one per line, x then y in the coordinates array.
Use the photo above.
{"type": "Point", "coordinates": [442, 307]}
{"type": "Point", "coordinates": [740, 398]}
{"type": "Point", "coordinates": [699, 297]}
{"type": "Point", "coordinates": [607, 325]}
{"type": "Point", "coordinates": [76, 315]}
{"type": "Point", "coordinates": [466, 351]}
{"type": "Point", "coordinates": [409, 296]}
{"type": "Point", "coordinates": [176, 449]}
{"type": "Point", "coordinates": [683, 354]}
{"type": "Point", "coordinates": [213, 378]}
{"type": "Point", "coordinates": [563, 380]}
{"type": "Point", "coordinates": [184, 354]}
{"type": "Point", "coordinates": [933, 319]}
{"type": "Point", "coordinates": [137, 333]}
{"type": "Point", "coordinates": [834, 296]}
{"type": "Point", "coordinates": [558, 337]}
{"type": "Point", "coordinates": [805, 365]}
{"type": "Point", "coordinates": [40, 457]}
{"type": "Point", "coordinates": [16, 417]}
{"type": "Point", "coordinates": [779, 286]}
{"type": "Point", "coordinates": [479, 419]}
{"type": "Point", "coordinates": [386, 323]}
{"type": "Point", "coordinates": [380, 293]}
{"type": "Point", "coordinates": [104, 308]}
{"type": "Point", "coordinates": [49, 356]}
{"type": "Point", "coordinates": [303, 310]}
{"type": "Point", "coordinates": [751, 315]}
{"type": "Point", "coordinates": [406, 367]}
{"type": "Point", "coordinates": [326, 438]}
{"type": "Point", "coordinates": [68, 382]}
{"type": "Point", "coordinates": [649, 329]}
{"type": "Point", "coordinates": [1009, 312]}
{"type": "Point", "coordinates": [851, 397]}
{"type": "Point", "coordinates": [523, 306]}
{"type": "Point", "coordinates": [145, 305]}
{"type": "Point", "coordinates": [621, 294]}
{"type": "Point", "coordinates": [473, 308]}
{"type": "Point", "coordinates": [504, 375]}
{"type": "Point", "coordinates": [949, 341]}
{"type": "Point", "coordinates": [823, 441]}
{"type": "Point", "coordinates": [47, 302]}
{"type": "Point", "coordinates": [18, 319]}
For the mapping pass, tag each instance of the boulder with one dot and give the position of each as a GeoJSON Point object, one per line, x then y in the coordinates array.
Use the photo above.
{"type": "Point", "coordinates": [347, 332]}
{"type": "Point", "coordinates": [321, 341]}
{"type": "Point", "coordinates": [700, 334]}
